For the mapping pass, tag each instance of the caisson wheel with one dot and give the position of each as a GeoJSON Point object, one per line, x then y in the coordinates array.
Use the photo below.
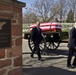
{"type": "Point", "coordinates": [52, 45]}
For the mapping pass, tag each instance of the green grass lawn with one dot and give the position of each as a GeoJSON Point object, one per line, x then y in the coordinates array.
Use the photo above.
{"type": "Point", "coordinates": [66, 30]}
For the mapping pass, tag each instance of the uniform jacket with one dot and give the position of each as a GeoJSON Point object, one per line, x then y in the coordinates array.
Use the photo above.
{"type": "Point", "coordinates": [36, 35]}
{"type": "Point", "coordinates": [72, 39]}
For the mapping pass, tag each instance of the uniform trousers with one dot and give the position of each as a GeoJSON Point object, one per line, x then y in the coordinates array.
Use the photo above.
{"type": "Point", "coordinates": [70, 55]}
{"type": "Point", "coordinates": [37, 50]}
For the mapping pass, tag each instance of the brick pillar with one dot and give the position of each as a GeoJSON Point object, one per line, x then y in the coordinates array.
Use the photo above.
{"type": "Point", "coordinates": [11, 57]}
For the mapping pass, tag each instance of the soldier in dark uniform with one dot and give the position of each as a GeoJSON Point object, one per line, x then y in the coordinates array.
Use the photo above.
{"type": "Point", "coordinates": [36, 37]}
{"type": "Point", "coordinates": [72, 47]}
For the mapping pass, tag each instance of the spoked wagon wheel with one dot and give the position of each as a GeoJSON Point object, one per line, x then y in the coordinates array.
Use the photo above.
{"type": "Point", "coordinates": [52, 45]}
{"type": "Point", "coordinates": [42, 45]}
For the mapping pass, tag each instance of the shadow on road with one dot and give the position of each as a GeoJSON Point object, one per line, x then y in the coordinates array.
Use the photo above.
{"type": "Point", "coordinates": [50, 52]}
{"type": "Point", "coordinates": [54, 64]}
{"type": "Point", "coordinates": [47, 71]}
{"type": "Point", "coordinates": [55, 52]}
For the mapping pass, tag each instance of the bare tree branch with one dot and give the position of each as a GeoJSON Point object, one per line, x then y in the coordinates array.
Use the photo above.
{"type": "Point", "coordinates": [43, 8]}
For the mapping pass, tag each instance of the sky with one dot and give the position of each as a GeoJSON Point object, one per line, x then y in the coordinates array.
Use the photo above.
{"type": "Point", "coordinates": [28, 3]}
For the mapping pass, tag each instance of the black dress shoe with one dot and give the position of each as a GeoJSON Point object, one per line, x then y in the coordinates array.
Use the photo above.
{"type": "Point", "coordinates": [74, 66]}
{"type": "Point", "coordinates": [40, 59]}
{"type": "Point", "coordinates": [31, 56]}
{"type": "Point", "coordinates": [71, 66]}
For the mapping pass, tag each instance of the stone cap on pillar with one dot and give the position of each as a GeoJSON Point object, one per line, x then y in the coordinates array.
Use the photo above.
{"type": "Point", "coordinates": [14, 2]}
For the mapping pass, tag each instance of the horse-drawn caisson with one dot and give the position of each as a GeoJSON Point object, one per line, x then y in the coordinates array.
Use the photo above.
{"type": "Point", "coordinates": [52, 36]}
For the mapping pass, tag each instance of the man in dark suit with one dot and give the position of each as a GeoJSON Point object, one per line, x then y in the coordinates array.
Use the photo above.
{"type": "Point", "coordinates": [36, 37]}
{"type": "Point", "coordinates": [72, 47]}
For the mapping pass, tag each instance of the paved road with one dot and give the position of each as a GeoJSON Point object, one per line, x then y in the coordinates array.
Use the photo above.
{"type": "Point", "coordinates": [54, 64]}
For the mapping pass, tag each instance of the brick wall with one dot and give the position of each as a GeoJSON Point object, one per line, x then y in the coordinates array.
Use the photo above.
{"type": "Point", "coordinates": [11, 58]}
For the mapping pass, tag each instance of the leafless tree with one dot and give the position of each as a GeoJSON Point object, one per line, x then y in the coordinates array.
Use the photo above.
{"type": "Point", "coordinates": [61, 7]}
{"type": "Point", "coordinates": [46, 10]}
{"type": "Point", "coordinates": [73, 7]}
{"type": "Point", "coordinates": [43, 8]}
{"type": "Point", "coordinates": [29, 16]}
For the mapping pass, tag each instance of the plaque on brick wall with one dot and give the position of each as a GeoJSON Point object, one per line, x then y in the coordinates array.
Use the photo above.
{"type": "Point", "coordinates": [5, 33]}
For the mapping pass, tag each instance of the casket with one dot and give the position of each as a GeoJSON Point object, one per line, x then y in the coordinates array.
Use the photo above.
{"type": "Point", "coordinates": [50, 26]}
